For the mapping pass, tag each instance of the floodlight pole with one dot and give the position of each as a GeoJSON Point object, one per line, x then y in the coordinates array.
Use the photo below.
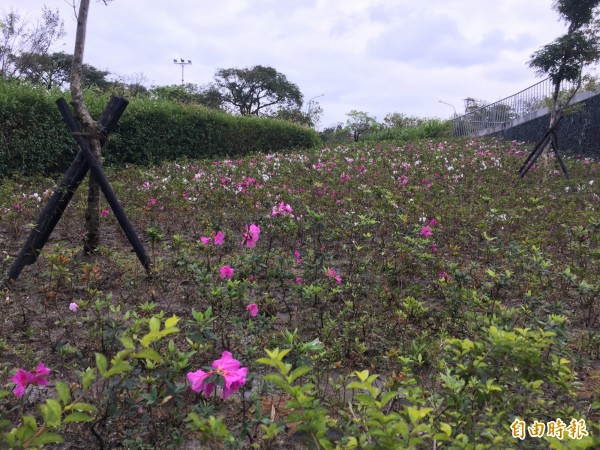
{"type": "Point", "coordinates": [182, 63]}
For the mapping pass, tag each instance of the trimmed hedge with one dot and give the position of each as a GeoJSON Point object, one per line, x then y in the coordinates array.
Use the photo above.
{"type": "Point", "coordinates": [35, 140]}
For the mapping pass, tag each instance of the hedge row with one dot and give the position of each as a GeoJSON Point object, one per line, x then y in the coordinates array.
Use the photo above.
{"type": "Point", "coordinates": [35, 140]}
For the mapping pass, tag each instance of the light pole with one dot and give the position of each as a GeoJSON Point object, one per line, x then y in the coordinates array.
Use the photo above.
{"type": "Point", "coordinates": [455, 115]}
{"type": "Point", "coordinates": [182, 63]}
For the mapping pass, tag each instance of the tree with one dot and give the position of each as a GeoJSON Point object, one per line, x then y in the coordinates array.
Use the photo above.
{"type": "Point", "coordinates": [21, 40]}
{"type": "Point", "coordinates": [89, 125]}
{"type": "Point", "coordinates": [309, 118]}
{"type": "Point", "coordinates": [565, 58]}
{"type": "Point", "coordinates": [258, 90]}
{"type": "Point", "coordinates": [359, 122]}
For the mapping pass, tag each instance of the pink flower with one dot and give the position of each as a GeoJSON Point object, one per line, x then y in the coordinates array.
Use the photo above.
{"type": "Point", "coordinates": [331, 274]}
{"type": "Point", "coordinates": [152, 202]}
{"type": "Point", "coordinates": [226, 272]}
{"type": "Point", "coordinates": [298, 280]}
{"type": "Point", "coordinates": [17, 206]}
{"type": "Point", "coordinates": [73, 306]}
{"type": "Point", "coordinates": [105, 212]}
{"type": "Point", "coordinates": [433, 222]}
{"type": "Point", "coordinates": [39, 377]}
{"type": "Point", "coordinates": [252, 308]}
{"type": "Point", "coordinates": [230, 370]}
{"type": "Point", "coordinates": [434, 248]}
{"type": "Point", "coordinates": [198, 384]}
{"type": "Point", "coordinates": [205, 240]}
{"type": "Point", "coordinates": [283, 209]}
{"type": "Point", "coordinates": [426, 231]}
{"type": "Point", "coordinates": [297, 256]}
{"type": "Point", "coordinates": [22, 380]}
{"type": "Point", "coordinates": [250, 236]}
{"type": "Point", "coordinates": [234, 376]}
{"type": "Point", "coordinates": [219, 238]}
{"type": "Point", "coordinates": [444, 276]}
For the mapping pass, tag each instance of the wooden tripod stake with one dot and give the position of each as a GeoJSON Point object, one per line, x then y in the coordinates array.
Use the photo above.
{"type": "Point", "coordinates": [61, 197]}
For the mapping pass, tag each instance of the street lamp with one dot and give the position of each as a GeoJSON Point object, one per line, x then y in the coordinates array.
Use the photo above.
{"type": "Point", "coordinates": [182, 63]}
{"type": "Point", "coordinates": [455, 115]}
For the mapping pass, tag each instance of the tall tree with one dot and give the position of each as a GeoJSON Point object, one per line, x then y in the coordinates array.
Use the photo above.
{"type": "Point", "coordinates": [565, 58]}
{"type": "Point", "coordinates": [257, 90]}
{"type": "Point", "coordinates": [358, 123]}
{"type": "Point", "coordinates": [21, 39]}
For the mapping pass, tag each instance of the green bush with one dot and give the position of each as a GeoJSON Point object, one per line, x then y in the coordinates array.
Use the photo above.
{"type": "Point", "coordinates": [427, 129]}
{"type": "Point", "coordinates": [34, 139]}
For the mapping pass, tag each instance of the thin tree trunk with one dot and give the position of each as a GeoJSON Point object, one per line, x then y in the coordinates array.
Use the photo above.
{"type": "Point", "coordinates": [90, 126]}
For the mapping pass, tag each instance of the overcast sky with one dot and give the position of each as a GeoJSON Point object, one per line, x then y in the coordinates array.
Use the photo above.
{"type": "Point", "coordinates": [378, 56]}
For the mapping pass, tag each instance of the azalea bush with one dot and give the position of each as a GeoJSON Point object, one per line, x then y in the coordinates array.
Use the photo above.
{"type": "Point", "coordinates": [408, 295]}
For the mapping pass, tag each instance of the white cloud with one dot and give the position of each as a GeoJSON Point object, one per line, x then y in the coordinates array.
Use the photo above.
{"type": "Point", "coordinates": [378, 56]}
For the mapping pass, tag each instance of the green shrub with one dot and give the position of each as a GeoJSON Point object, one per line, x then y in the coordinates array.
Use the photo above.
{"type": "Point", "coordinates": [34, 138]}
{"type": "Point", "coordinates": [427, 129]}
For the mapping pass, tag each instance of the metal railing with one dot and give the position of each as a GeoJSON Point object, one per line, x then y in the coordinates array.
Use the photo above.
{"type": "Point", "coordinates": [504, 111]}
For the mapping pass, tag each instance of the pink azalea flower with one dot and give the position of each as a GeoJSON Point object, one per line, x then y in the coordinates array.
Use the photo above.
{"type": "Point", "coordinates": [22, 380]}
{"type": "Point", "coordinates": [433, 222]}
{"type": "Point", "coordinates": [152, 202]}
{"type": "Point", "coordinates": [297, 256]}
{"type": "Point", "coordinates": [39, 377]}
{"type": "Point", "coordinates": [198, 384]}
{"type": "Point", "coordinates": [226, 272]}
{"type": "Point", "coordinates": [250, 236]}
{"type": "Point", "coordinates": [426, 231]}
{"type": "Point", "coordinates": [230, 370]}
{"type": "Point", "coordinates": [331, 274]}
{"type": "Point", "coordinates": [298, 280]}
{"type": "Point", "coordinates": [252, 308]}
{"type": "Point", "coordinates": [105, 212]}
{"type": "Point", "coordinates": [205, 240]}
{"type": "Point", "coordinates": [73, 306]}
{"type": "Point", "coordinates": [219, 238]}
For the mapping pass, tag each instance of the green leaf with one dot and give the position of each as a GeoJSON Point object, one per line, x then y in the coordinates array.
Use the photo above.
{"type": "Point", "coordinates": [51, 412]}
{"type": "Point", "coordinates": [118, 368]}
{"type": "Point", "coordinates": [150, 337]}
{"type": "Point", "coordinates": [47, 438]}
{"type": "Point", "coordinates": [64, 392]}
{"type": "Point", "coordinates": [362, 376]}
{"type": "Point", "coordinates": [78, 416]}
{"type": "Point", "coordinates": [298, 372]}
{"type": "Point", "coordinates": [149, 353]}
{"type": "Point", "coordinates": [154, 324]}
{"type": "Point", "coordinates": [101, 363]}
{"type": "Point", "coordinates": [87, 378]}
{"type": "Point", "coordinates": [171, 322]}
{"type": "Point", "coordinates": [80, 406]}
{"type": "Point", "coordinates": [127, 342]}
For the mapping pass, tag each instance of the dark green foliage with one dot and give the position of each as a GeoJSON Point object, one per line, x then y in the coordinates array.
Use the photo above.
{"type": "Point", "coordinates": [34, 139]}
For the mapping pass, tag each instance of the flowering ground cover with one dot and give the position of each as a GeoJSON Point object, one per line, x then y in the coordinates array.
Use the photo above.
{"type": "Point", "coordinates": [379, 296]}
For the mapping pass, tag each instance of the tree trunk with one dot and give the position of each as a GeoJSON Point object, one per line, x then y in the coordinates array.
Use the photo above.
{"type": "Point", "coordinates": [90, 126]}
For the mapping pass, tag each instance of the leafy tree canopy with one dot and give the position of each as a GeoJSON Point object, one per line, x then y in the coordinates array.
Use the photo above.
{"type": "Point", "coordinates": [21, 40]}
{"type": "Point", "coordinates": [260, 90]}
{"type": "Point", "coordinates": [565, 58]}
{"type": "Point", "coordinates": [359, 122]}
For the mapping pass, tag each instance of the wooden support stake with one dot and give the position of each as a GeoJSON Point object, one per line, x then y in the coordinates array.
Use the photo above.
{"type": "Point", "coordinates": [61, 197]}
{"type": "Point", "coordinates": [105, 186]}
